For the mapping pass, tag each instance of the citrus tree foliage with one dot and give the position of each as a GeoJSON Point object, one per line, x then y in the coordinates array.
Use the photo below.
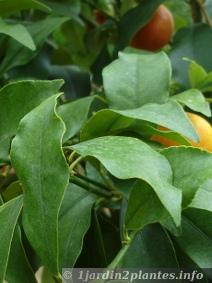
{"type": "Point", "coordinates": [82, 184]}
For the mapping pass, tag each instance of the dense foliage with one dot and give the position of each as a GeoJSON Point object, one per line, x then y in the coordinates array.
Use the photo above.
{"type": "Point", "coordinates": [87, 174]}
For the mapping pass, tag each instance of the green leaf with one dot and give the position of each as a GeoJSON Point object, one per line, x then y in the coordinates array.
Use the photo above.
{"type": "Point", "coordinates": [41, 167]}
{"type": "Point", "coordinates": [10, 6]}
{"type": "Point", "coordinates": [169, 115]}
{"type": "Point", "coordinates": [144, 207]}
{"type": "Point", "coordinates": [206, 85]}
{"type": "Point", "coordinates": [196, 244]}
{"type": "Point", "coordinates": [18, 55]}
{"type": "Point", "coordinates": [74, 221]}
{"type": "Point", "coordinates": [19, 269]}
{"type": "Point", "coordinates": [69, 9]}
{"type": "Point", "coordinates": [74, 115]}
{"type": "Point", "coordinates": [16, 100]}
{"type": "Point", "coordinates": [191, 168]}
{"type": "Point", "coordinates": [9, 213]}
{"type": "Point", "coordinates": [133, 20]}
{"type": "Point", "coordinates": [19, 33]}
{"type": "Point", "coordinates": [193, 42]}
{"type": "Point", "coordinates": [196, 74]}
{"type": "Point", "coordinates": [203, 196]}
{"type": "Point", "coordinates": [152, 247]}
{"type": "Point", "coordinates": [194, 100]}
{"type": "Point", "coordinates": [137, 79]}
{"type": "Point", "coordinates": [128, 158]}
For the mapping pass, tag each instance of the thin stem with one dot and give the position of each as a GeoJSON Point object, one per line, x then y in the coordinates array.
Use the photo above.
{"type": "Point", "coordinates": [85, 178]}
{"type": "Point", "coordinates": [72, 166]}
{"type": "Point", "coordinates": [196, 11]}
{"type": "Point", "coordinates": [71, 156]}
{"type": "Point", "coordinates": [204, 13]}
{"type": "Point", "coordinates": [106, 178]}
{"type": "Point", "coordinates": [90, 188]}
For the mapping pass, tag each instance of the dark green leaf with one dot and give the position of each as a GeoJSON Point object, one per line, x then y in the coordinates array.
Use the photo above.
{"type": "Point", "coordinates": [19, 269]}
{"type": "Point", "coordinates": [10, 6]}
{"type": "Point", "coordinates": [128, 158]}
{"type": "Point", "coordinates": [169, 115]}
{"type": "Point", "coordinates": [137, 79]}
{"type": "Point", "coordinates": [19, 33]}
{"type": "Point", "coordinates": [194, 100]}
{"type": "Point", "coordinates": [16, 100]}
{"type": "Point", "coordinates": [9, 213]}
{"type": "Point", "coordinates": [18, 55]}
{"type": "Point", "coordinates": [191, 168]}
{"type": "Point", "coordinates": [41, 167]}
{"type": "Point", "coordinates": [74, 221]}
{"type": "Point", "coordinates": [195, 43]}
{"type": "Point", "coordinates": [74, 115]}
{"type": "Point", "coordinates": [150, 248]}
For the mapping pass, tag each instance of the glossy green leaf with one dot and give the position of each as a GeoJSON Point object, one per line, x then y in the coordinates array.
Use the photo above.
{"type": "Point", "coordinates": [196, 74]}
{"type": "Point", "coordinates": [152, 247]}
{"type": "Point", "coordinates": [128, 158]}
{"type": "Point", "coordinates": [9, 213]}
{"type": "Point", "coordinates": [19, 33]}
{"type": "Point", "coordinates": [74, 221]}
{"type": "Point", "coordinates": [137, 79]}
{"type": "Point", "coordinates": [133, 20]}
{"type": "Point", "coordinates": [144, 207]}
{"type": "Point", "coordinates": [9, 7]}
{"type": "Point", "coordinates": [193, 42]}
{"type": "Point", "coordinates": [74, 115]}
{"type": "Point", "coordinates": [18, 55]}
{"type": "Point", "coordinates": [68, 9]}
{"type": "Point", "coordinates": [19, 269]}
{"type": "Point", "coordinates": [41, 167]}
{"type": "Point", "coordinates": [169, 115]}
{"type": "Point", "coordinates": [196, 244]}
{"type": "Point", "coordinates": [191, 168]}
{"type": "Point", "coordinates": [194, 100]}
{"type": "Point", "coordinates": [16, 100]}
{"type": "Point", "coordinates": [203, 197]}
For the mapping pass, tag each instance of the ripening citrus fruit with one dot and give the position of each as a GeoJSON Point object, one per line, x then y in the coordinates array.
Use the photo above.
{"type": "Point", "coordinates": [100, 17]}
{"type": "Point", "coordinates": [203, 129]}
{"type": "Point", "coordinates": [157, 33]}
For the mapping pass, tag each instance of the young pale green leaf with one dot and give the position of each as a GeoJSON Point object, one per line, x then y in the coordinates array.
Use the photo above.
{"type": "Point", "coordinates": [206, 85]}
{"type": "Point", "coordinates": [169, 115]}
{"type": "Point", "coordinates": [18, 55]}
{"type": "Point", "coordinates": [128, 158]}
{"type": "Point", "coordinates": [194, 100]}
{"type": "Point", "coordinates": [16, 100]}
{"type": "Point", "coordinates": [203, 197]}
{"type": "Point", "coordinates": [133, 20]}
{"type": "Point", "coordinates": [152, 247]}
{"type": "Point", "coordinates": [74, 221]}
{"type": "Point", "coordinates": [196, 74]}
{"type": "Point", "coordinates": [195, 243]}
{"type": "Point", "coordinates": [144, 207]}
{"type": "Point", "coordinates": [9, 213]}
{"type": "Point", "coordinates": [191, 168]}
{"type": "Point", "coordinates": [10, 6]}
{"type": "Point", "coordinates": [39, 162]}
{"type": "Point", "coordinates": [136, 79]}
{"type": "Point", "coordinates": [19, 33]}
{"type": "Point", "coordinates": [19, 269]}
{"type": "Point", "coordinates": [74, 115]}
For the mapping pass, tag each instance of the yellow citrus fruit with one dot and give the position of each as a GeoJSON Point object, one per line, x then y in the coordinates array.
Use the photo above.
{"type": "Point", "coordinates": [202, 127]}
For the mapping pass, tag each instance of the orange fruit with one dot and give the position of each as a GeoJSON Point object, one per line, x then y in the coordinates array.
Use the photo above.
{"type": "Point", "coordinates": [157, 33]}
{"type": "Point", "coordinates": [202, 127]}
